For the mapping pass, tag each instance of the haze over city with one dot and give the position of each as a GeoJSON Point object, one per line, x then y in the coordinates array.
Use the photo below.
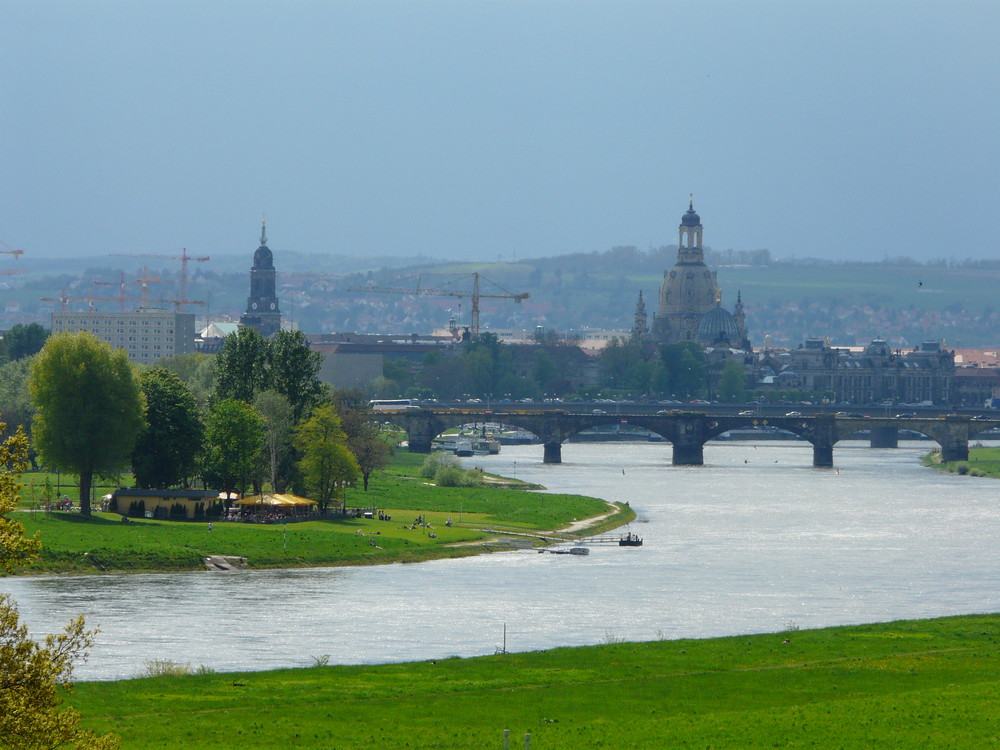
{"type": "Point", "coordinates": [486, 130]}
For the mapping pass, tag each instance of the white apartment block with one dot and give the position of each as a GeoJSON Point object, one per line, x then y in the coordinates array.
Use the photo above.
{"type": "Point", "coordinates": [145, 335]}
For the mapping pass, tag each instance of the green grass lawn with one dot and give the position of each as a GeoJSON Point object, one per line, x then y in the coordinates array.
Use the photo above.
{"type": "Point", "coordinates": [73, 543]}
{"type": "Point", "coordinates": [914, 684]}
{"type": "Point", "coordinates": [983, 462]}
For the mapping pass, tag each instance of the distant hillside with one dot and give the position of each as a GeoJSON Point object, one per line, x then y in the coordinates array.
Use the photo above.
{"type": "Point", "coordinates": [850, 303]}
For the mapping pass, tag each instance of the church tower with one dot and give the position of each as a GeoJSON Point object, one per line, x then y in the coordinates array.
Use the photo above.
{"type": "Point", "coordinates": [262, 311]}
{"type": "Point", "coordinates": [689, 289]}
{"type": "Point", "coordinates": [640, 328]}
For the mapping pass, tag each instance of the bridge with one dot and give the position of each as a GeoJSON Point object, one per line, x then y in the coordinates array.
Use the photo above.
{"type": "Point", "coordinates": [688, 431]}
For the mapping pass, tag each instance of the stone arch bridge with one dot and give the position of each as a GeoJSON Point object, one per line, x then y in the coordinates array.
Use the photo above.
{"type": "Point", "coordinates": [689, 431]}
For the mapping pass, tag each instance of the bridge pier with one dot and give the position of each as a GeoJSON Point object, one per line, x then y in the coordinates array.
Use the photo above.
{"type": "Point", "coordinates": [420, 446]}
{"type": "Point", "coordinates": [823, 455]}
{"type": "Point", "coordinates": [553, 453]}
{"type": "Point", "coordinates": [885, 437]}
{"type": "Point", "coordinates": [689, 454]}
{"type": "Point", "coordinates": [955, 449]}
{"type": "Point", "coordinates": [421, 429]}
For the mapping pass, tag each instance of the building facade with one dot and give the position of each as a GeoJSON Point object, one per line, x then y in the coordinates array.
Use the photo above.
{"type": "Point", "coordinates": [877, 373]}
{"type": "Point", "coordinates": [145, 335]}
{"type": "Point", "coordinates": [262, 313]}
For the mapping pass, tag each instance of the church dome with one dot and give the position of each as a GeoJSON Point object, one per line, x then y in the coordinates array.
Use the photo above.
{"type": "Point", "coordinates": [691, 219]}
{"type": "Point", "coordinates": [688, 289]}
{"type": "Point", "coordinates": [718, 325]}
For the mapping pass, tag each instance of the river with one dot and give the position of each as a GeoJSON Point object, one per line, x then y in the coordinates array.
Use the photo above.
{"type": "Point", "coordinates": [754, 541]}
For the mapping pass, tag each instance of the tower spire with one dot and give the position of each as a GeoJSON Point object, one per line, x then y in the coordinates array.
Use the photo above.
{"type": "Point", "coordinates": [263, 232]}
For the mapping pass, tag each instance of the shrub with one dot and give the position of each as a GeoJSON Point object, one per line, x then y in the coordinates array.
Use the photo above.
{"type": "Point", "coordinates": [962, 468]}
{"type": "Point", "coordinates": [165, 668]}
{"type": "Point", "coordinates": [449, 476]}
{"type": "Point", "coordinates": [435, 461]}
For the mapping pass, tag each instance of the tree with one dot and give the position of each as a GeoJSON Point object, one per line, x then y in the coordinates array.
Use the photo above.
{"type": "Point", "coordinates": [295, 371]}
{"type": "Point", "coordinates": [23, 340]}
{"type": "Point", "coordinates": [15, 549]}
{"type": "Point", "coordinates": [363, 437]}
{"type": "Point", "coordinates": [31, 674]}
{"type": "Point", "coordinates": [370, 450]}
{"type": "Point", "coordinates": [234, 436]}
{"type": "Point", "coordinates": [687, 366]}
{"type": "Point", "coordinates": [166, 450]}
{"type": "Point", "coordinates": [733, 383]}
{"type": "Point", "coordinates": [327, 464]}
{"type": "Point", "coordinates": [14, 395]}
{"type": "Point", "coordinates": [278, 423]}
{"type": "Point", "coordinates": [196, 371]}
{"type": "Point", "coordinates": [89, 408]}
{"type": "Point", "coordinates": [242, 367]}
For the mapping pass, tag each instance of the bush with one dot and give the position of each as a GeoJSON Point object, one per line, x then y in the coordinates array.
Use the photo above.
{"type": "Point", "coordinates": [165, 668]}
{"type": "Point", "coordinates": [449, 476]}
{"type": "Point", "coordinates": [962, 468]}
{"type": "Point", "coordinates": [435, 461]}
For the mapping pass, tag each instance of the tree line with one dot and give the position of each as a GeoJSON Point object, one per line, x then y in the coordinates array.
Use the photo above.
{"type": "Point", "coordinates": [486, 368]}
{"type": "Point", "coordinates": [254, 416]}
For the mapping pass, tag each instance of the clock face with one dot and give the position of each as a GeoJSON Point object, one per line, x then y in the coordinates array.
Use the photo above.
{"type": "Point", "coordinates": [254, 305]}
{"type": "Point", "coordinates": [273, 305]}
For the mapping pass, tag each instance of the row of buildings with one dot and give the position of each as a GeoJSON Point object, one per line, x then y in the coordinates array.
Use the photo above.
{"type": "Point", "coordinates": [689, 310]}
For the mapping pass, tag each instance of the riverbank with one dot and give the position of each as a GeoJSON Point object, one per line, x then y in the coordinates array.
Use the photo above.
{"type": "Point", "coordinates": [419, 529]}
{"type": "Point", "coordinates": [983, 462]}
{"type": "Point", "coordinates": [907, 684]}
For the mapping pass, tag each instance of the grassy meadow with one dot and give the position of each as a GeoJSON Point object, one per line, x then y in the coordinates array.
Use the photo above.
{"type": "Point", "coordinates": [912, 684]}
{"type": "Point", "coordinates": [102, 543]}
{"type": "Point", "coordinates": [983, 462]}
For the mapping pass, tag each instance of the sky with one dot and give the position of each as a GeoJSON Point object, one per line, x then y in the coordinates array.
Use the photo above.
{"type": "Point", "coordinates": [499, 129]}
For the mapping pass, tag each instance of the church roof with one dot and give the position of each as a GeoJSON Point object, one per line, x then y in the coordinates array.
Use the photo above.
{"type": "Point", "coordinates": [691, 219]}
{"type": "Point", "coordinates": [718, 325]}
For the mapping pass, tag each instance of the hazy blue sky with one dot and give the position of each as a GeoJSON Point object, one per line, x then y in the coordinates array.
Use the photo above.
{"type": "Point", "coordinates": [494, 129]}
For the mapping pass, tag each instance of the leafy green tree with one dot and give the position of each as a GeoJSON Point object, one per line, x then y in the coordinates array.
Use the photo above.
{"type": "Point", "coordinates": [242, 368]}
{"type": "Point", "coordinates": [363, 437]}
{"type": "Point", "coordinates": [89, 408]}
{"type": "Point", "coordinates": [545, 371]}
{"type": "Point", "coordinates": [196, 371]}
{"type": "Point", "coordinates": [278, 423]}
{"type": "Point", "coordinates": [32, 674]}
{"type": "Point", "coordinates": [295, 371]}
{"type": "Point", "coordinates": [166, 450]}
{"type": "Point", "coordinates": [327, 464]}
{"type": "Point", "coordinates": [23, 340]}
{"type": "Point", "coordinates": [397, 369]}
{"type": "Point", "coordinates": [234, 436]}
{"type": "Point", "coordinates": [15, 549]}
{"type": "Point", "coordinates": [733, 382]}
{"type": "Point", "coordinates": [15, 398]}
{"type": "Point", "coordinates": [687, 366]}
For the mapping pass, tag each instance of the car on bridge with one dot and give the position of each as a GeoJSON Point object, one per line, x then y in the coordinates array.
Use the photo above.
{"type": "Point", "coordinates": [747, 413]}
{"type": "Point", "coordinates": [794, 414]}
{"type": "Point", "coordinates": [906, 415]}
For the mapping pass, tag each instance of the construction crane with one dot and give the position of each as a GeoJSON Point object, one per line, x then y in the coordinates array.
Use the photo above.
{"type": "Point", "coordinates": [10, 250]}
{"type": "Point", "coordinates": [475, 295]}
{"type": "Point", "coordinates": [15, 253]}
{"type": "Point", "coordinates": [184, 258]}
{"type": "Point", "coordinates": [143, 280]}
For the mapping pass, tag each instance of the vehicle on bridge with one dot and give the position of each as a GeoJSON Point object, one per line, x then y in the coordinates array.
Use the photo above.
{"type": "Point", "coordinates": [392, 404]}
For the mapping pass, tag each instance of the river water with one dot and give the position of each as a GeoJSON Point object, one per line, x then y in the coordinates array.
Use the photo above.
{"type": "Point", "coordinates": [754, 541]}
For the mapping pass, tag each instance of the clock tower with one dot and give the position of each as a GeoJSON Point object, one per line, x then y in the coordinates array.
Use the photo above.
{"type": "Point", "coordinates": [262, 311]}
